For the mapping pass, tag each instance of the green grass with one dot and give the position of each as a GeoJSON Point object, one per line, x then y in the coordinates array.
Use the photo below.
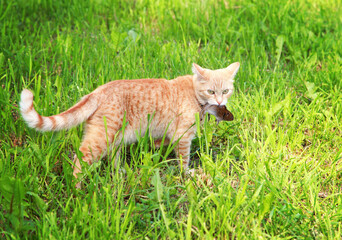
{"type": "Point", "coordinates": [274, 172]}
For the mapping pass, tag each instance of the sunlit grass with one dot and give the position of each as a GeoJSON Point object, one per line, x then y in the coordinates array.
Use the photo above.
{"type": "Point", "coordinates": [273, 172]}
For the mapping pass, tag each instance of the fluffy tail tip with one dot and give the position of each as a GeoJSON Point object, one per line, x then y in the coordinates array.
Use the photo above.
{"type": "Point", "coordinates": [26, 94]}
{"type": "Point", "coordinates": [26, 99]}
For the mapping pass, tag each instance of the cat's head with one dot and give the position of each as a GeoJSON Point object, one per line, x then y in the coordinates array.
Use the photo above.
{"type": "Point", "coordinates": [214, 87]}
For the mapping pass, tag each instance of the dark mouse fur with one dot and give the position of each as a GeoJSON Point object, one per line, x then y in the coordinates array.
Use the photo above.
{"type": "Point", "coordinates": [220, 112]}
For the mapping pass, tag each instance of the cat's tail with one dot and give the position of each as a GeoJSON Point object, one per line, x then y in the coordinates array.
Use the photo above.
{"type": "Point", "coordinates": [65, 120]}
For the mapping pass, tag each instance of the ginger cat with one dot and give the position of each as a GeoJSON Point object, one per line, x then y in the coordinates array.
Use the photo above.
{"type": "Point", "coordinates": [173, 102]}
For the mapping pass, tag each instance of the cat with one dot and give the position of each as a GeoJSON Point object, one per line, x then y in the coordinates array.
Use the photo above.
{"type": "Point", "coordinates": [173, 104]}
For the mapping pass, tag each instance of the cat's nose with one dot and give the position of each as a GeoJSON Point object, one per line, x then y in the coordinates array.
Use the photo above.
{"type": "Point", "coordinates": [219, 100]}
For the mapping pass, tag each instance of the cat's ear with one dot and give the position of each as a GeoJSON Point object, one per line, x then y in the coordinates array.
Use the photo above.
{"type": "Point", "coordinates": [233, 69]}
{"type": "Point", "coordinates": [199, 71]}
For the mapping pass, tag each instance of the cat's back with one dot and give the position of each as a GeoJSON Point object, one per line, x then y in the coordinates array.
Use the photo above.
{"type": "Point", "coordinates": [134, 85]}
{"type": "Point", "coordinates": [139, 97]}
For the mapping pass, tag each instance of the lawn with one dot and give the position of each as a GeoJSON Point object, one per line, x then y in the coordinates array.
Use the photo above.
{"type": "Point", "coordinates": [275, 172]}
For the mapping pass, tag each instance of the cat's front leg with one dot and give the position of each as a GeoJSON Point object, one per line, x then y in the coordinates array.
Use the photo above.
{"type": "Point", "coordinates": [185, 136]}
{"type": "Point", "coordinates": [183, 152]}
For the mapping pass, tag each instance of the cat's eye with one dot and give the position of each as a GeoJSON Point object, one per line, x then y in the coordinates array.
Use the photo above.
{"type": "Point", "coordinates": [225, 91]}
{"type": "Point", "coordinates": [211, 92]}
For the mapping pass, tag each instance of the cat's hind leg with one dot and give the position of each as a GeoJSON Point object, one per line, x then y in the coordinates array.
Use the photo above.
{"type": "Point", "coordinates": [96, 142]}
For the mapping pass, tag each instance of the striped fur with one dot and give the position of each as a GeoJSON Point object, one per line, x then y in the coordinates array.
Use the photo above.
{"type": "Point", "coordinates": [173, 105]}
{"type": "Point", "coordinates": [68, 119]}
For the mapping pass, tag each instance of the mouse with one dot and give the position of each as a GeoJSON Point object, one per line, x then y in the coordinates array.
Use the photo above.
{"type": "Point", "coordinates": [219, 111]}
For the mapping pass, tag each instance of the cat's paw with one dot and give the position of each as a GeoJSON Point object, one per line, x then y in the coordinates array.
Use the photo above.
{"type": "Point", "coordinates": [122, 171]}
{"type": "Point", "coordinates": [190, 172]}
{"type": "Point", "coordinates": [78, 185]}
